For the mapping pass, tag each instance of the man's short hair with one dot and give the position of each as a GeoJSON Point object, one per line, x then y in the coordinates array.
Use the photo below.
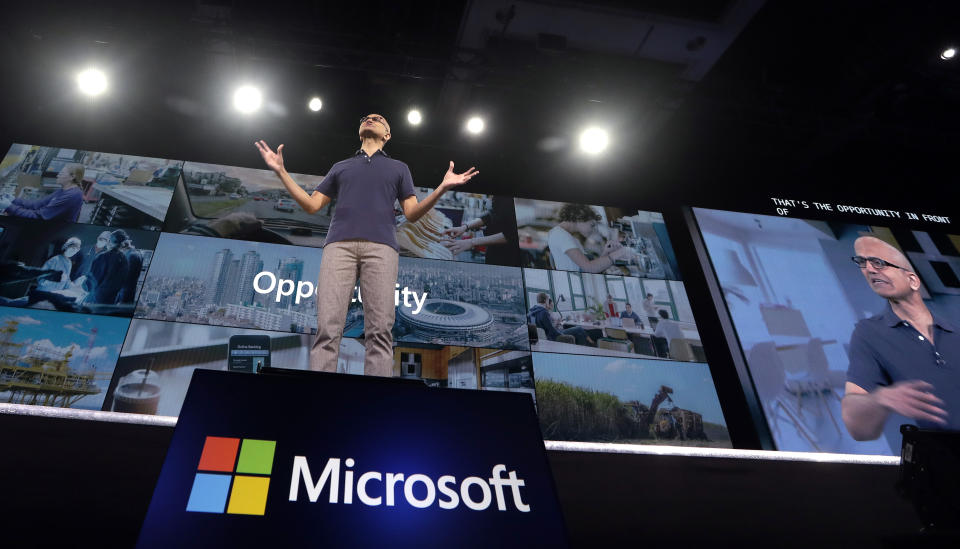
{"type": "Point", "coordinates": [898, 255]}
{"type": "Point", "coordinates": [542, 297]}
{"type": "Point", "coordinates": [577, 213]}
{"type": "Point", "coordinates": [628, 304]}
{"type": "Point", "coordinates": [663, 314]}
{"type": "Point", "coordinates": [649, 295]}
{"type": "Point", "coordinates": [76, 171]}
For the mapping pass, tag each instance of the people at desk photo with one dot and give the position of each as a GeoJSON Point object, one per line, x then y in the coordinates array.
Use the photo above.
{"type": "Point", "coordinates": [539, 316]}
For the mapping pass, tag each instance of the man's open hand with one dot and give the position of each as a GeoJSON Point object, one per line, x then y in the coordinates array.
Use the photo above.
{"type": "Point", "coordinates": [913, 399]}
{"type": "Point", "coordinates": [451, 179]}
{"type": "Point", "coordinates": [274, 160]}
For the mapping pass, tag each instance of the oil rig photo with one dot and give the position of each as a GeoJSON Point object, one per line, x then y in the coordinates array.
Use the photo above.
{"type": "Point", "coordinates": [31, 378]}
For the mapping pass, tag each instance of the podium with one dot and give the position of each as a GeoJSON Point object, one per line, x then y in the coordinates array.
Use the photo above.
{"type": "Point", "coordinates": [291, 458]}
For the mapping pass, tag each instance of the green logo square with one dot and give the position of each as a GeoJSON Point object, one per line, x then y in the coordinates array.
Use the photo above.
{"type": "Point", "coordinates": [256, 456]}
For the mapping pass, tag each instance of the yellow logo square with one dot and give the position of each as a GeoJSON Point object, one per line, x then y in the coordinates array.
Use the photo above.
{"type": "Point", "coordinates": [248, 495]}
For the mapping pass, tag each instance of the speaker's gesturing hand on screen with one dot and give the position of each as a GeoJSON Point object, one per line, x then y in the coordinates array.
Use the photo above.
{"type": "Point", "coordinates": [913, 399]}
{"type": "Point", "coordinates": [274, 160]}
{"type": "Point", "coordinates": [451, 179]}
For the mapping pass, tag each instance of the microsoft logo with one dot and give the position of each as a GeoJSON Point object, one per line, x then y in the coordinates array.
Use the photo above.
{"type": "Point", "coordinates": [247, 489]}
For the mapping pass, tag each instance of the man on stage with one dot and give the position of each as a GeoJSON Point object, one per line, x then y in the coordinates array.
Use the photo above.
{"type": "Point", "coordinates": [362, 240]}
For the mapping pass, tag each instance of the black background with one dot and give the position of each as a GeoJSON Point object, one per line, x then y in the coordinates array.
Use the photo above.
{"type": "Point", "coordinates": [843, 102]}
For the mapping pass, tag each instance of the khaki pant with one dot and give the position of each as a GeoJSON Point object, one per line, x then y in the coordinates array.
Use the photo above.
{"type": "Point", "coordinates": [376, 266]}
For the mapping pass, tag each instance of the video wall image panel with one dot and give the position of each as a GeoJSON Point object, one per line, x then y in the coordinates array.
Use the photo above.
{"type": "Point", "coordinates": [453, 303]}
{"type": "Point", "coordinates": [71, 185]}
{"type": "Point", "coordinates": [246, 204]}
{"type": "Point", "coordinates": [462, 226]}
{"type": "Point", "coordinates": [594, 239]}
{"type": "Point", "coordinates": [205, 280]}
{"type": "Point", "coordinates": [450, 366]}
{"type": "Point", "coordinates": [252, 204]}
{"type": "Point", "coordinates": [628, 401]}
{"type": "Point", "coordinates": [49, 358]}
{"type": "Point", "coordinates": [810, 320]}
{"type": "Point", "coordinates": [158, 360]}
{"type": "Point", "coordinates": [72, 267]}
{"type": "Point", "coordinates": [610, 315]}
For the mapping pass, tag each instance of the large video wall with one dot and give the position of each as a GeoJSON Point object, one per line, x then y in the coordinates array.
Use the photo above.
{"type": "Point", "coordinates": [120, 275]}
{"type": "Point", "coordinates": [802, 312]}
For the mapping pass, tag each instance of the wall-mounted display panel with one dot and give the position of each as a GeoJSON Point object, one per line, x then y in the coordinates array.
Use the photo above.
{"type": "Point", "coordinates": [67, 185]}
{"type": "Point", "coordinates": [810, 321]}
{"type": "Point", "coordinates": [594, 239]}
{"type": "Point", "coordinates": [628, 400]}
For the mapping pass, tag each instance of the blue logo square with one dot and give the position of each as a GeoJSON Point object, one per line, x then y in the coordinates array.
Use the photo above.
{"type": "Point", "coordinates": [209, 493]}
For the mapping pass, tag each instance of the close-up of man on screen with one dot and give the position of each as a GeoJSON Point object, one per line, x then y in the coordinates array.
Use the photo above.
{"type": "Point", "coordinates": [362, 240]}
{"type": "Point", "coordinates": [903, 361]}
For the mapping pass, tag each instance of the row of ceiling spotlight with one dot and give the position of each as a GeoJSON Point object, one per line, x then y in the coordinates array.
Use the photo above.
{"type": "Point", "coordinates": [248, 99]}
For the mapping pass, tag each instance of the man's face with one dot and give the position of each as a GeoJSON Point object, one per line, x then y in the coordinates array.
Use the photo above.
{"type": "Point", "coordinates": [888, 282]}
{"type": "Point", "coordinates": [629, 307]}
{"type": "Point", "coordinates": [103, 240]}
{"type": "Point", "coordinates": [65, 178]}
{"type": "Point", "coordinates": [376, 126]}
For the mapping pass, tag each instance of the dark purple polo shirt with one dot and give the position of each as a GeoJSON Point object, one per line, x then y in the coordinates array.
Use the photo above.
{"type": "Point", "coordinates": [365, 189]}
{"type": "Point", "coordinates": [885, 349]}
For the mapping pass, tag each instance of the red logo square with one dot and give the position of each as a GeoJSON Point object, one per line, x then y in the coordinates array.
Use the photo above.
{"type": "Point", "coordinates": [219, 454]}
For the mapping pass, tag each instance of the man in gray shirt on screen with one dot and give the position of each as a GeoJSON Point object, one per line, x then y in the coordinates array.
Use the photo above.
{"type": "Point", "coordinates": [362, 240]}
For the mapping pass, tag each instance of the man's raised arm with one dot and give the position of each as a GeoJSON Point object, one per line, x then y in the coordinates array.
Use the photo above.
{"type": "Point", "coordinates": [414, 210]}
{"type": "Point", "coordinates": [311, 203]}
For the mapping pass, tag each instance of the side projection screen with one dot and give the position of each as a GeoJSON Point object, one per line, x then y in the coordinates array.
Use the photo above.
{"type": "Point", "coordinates": [813, 325]}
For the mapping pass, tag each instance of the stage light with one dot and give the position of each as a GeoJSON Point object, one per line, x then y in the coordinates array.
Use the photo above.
{"type": "Point", "coordinates": [948, 54]}
{"type": "Point", "coordinates": [414, 117]}
{"type": "Point", "coordinates": [247, 99]}
{"type": "Point", "coordinates": [594, 140]}
{"type": "Point", "coordinates": [92, 82]}
{"type": "Point", "coordinates": [475, 125]}
{"type": "Point", "coordinates": [315, 104]}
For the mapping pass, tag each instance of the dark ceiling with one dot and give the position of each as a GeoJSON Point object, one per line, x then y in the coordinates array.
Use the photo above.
{"type": "Point", "coordinates": [705, 96]}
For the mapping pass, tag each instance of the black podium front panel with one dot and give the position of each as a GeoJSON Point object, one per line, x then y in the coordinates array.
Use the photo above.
{"type": "Point", "coordinates": [350, 461]}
